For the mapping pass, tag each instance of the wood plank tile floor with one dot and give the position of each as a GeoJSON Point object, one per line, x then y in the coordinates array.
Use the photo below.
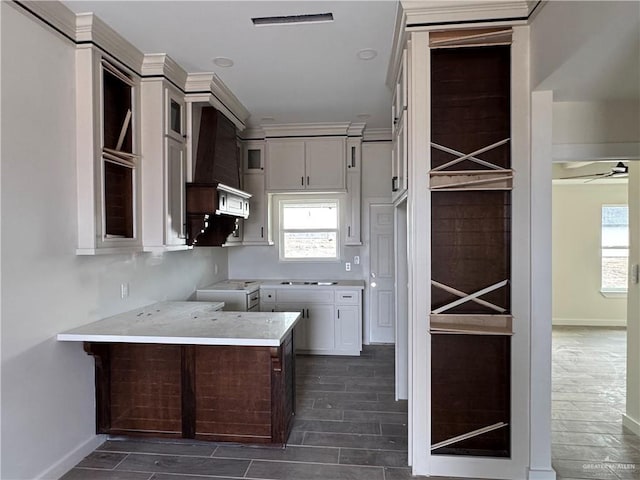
{"type": "Point", "coordinates": [348, 425]}
{"type": "Point", "coordinates": [589, 442]}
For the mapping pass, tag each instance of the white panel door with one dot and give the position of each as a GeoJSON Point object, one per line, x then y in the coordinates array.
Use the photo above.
{"type": "Point", "coordinates": [382, 273]}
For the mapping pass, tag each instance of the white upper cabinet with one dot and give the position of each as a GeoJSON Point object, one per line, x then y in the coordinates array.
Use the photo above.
{"type": "Point", "coordinates": [325, 164]}
{"type": "Point", "coordinates": [108, 154]}
{"type": "Point", "coordinates": [131, 153]}
{"type": "Point", "coordinates": [314, 164]}
{"type": "Point", "coordinates": [399, 166]}
{"type": "Point", "coordinates": [285, 169]}
{"type": "Point", "coordinates": [164, 160]}
{"type": "Point", "coordinates": [354, 192]}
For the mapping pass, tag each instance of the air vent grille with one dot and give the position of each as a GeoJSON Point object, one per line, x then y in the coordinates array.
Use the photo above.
{"type": "Point", "coordinates": [293, 19]}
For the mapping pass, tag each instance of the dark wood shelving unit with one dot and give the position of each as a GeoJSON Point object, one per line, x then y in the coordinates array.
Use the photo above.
{"type": "Point", "coordinates": [470, 183]}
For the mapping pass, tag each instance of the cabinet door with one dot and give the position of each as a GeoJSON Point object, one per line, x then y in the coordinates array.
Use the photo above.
{"type": "Point", "coordinates": [255, 227]}
{"type": "Point", "coordinates": [253, 157]}
{"type": "Point", "coordinates": [175, 122]}
{"type": "Point", "coordinates": [348, 327]}
{"type": "Point", "coordinates": [352, 209]}
{"type": "Point", "coordinates": [176, 171]}
{"type": "Point", "coordinates": [300, 331]}
{"type": "Point", "coordinates": [320, 334]}
{"type": "Point", "coordinates": [325, 164]}
{"type": "Point", "coordinates": [399, 166]}
{"type": "Point", "coordinates": [285, 165]}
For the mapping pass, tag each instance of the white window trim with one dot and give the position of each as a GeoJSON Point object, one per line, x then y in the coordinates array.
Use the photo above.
{"type": "Point", "coordinates": [283, 199]}
{"type": "Point", "coordinates": [612, 292]}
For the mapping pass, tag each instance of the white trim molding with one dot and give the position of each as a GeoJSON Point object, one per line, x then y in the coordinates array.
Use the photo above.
{"type": "Point", "coordinates": [89, 28]}
{"type": "Point", "coordinates": [541, 474]}
{"type": "Point", "coordinates": [590, 322]}
{"type": "Point", "coordinates": [631, 424]}
{"type": "Point", "coordinates": [377, 135]}
{"type": "Point", "coordinates": [460, 11]}
{"type": "Point", "coordinates": [306, 129]}
{"type": "Point", "coordinates": [207, 87]}
{"type": "Point", "coordinates": [74, 457]}
{"type": "Point", "coordinates": [161, 64]}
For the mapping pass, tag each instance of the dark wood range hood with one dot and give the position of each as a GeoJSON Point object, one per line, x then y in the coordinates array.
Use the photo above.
{"type": "Point", "coordinates": [215, 201]}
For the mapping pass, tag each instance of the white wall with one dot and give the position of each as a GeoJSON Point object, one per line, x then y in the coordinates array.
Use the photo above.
{"type": "Point", "coordinates": [576, 255]}
{"type": "Point", "coordinates": [596, 122]}
{"type": "Point", "coordinates": [47, 386]}
{"type": "Point", "coordinates": [586, 49]}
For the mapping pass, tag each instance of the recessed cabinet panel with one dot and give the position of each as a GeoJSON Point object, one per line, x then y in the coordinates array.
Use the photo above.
{"type": "Point", "coordinates": [176, 169]}
{"type": "Point", "coordinates": [321, 334]}
{"type": "Point", "coordinates": [256, 227]}
{"type": "Point", "coordinates": [347, 326]}
{"type": "Point", "coordinates": [118, 200]}
{"type": "Point", "coordinates": [285, 166]}
{"type": "Point", "coordinates": [325, 166]}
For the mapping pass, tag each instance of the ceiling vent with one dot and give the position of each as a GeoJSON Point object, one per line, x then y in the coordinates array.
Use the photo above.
{"type": "Point", "coordinates": [293, 19]}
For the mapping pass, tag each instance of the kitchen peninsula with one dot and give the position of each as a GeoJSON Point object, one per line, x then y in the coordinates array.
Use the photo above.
{"type": "Point", "coordinates": [189, 370]}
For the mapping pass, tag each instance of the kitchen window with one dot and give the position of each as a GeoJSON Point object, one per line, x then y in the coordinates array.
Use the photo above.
{"type": "Point", "coordinates": [615, 248]}
{"type": "Point", "coordinates": [309, 229]}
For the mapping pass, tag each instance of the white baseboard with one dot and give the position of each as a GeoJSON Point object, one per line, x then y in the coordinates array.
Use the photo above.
{"type": "Point", "coordinates": [541, 474]}
{"type": "Point", "coordinates": [631, 424]}
{"type": "Point", "coordinates": [74, 457]}
{"type": "Point", "coordinates": [589, 322]}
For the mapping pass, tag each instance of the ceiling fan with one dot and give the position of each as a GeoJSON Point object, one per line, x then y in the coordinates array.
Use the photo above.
{"type": "Point", "coordinates": [620, 170]}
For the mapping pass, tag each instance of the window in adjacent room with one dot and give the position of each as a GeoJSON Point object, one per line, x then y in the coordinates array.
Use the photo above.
{"type": "Point", "coordinates": [615, 248]}
{"type": "Point", "coordinates": [309, 229]}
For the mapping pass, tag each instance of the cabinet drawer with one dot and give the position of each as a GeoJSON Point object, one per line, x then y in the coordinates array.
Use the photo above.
{"type": "Point", "coordinates": [267, 295]}
{"type": "Point", "coordinates": [348, 297]}
{"type": "Point", "coordinates": [306, 295]}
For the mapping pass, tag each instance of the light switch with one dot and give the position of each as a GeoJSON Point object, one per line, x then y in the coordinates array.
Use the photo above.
{"type": "Point", "coordinates": [356, 260]}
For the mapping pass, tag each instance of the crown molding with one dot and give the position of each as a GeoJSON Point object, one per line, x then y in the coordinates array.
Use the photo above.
{"type": "Point", "coordinates": [55, 13]}
{"type": "Point", "coordinates": [161, 64]}
{"type": "Point", "coordinates": [461, 11]}
{"type": "Point", "coordinates": [306, 129]}
{"type": "Point", "coordinates": [253, 134]}
{"type": "Point", "coordinates": [356, 129]}
{"type": "Point", "coordinates": [377, 135]}
{"type": "Point", "coordinates": [89, 28]}
{"type": "Point", "coordinates": [400, 39]}
{"type": "Point", "coordinates": [209, 88]}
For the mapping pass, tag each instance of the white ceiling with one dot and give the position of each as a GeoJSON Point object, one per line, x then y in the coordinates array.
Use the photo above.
{"type": "Point", "coordinates": [292, 73]}
{"type": "Point", "coordinates": [310, 73]}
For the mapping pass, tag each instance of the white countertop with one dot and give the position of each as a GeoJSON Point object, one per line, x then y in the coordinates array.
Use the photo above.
{"type": "Point", "coordinates": [188, 323]}
{"type": "Point", "coordinates": [337, 284]}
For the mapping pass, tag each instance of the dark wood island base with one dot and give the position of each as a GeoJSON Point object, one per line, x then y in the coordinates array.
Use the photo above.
{"type": "Point", "coordinates": [207, 392]}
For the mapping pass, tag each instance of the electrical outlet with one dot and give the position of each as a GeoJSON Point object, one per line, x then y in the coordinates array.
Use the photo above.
{"type": "Point", "coordinates": [356, 260]}
{"type": "Point", "coordinates": [124, 290]}
{"type": "Point", "coordinates": [347, 266]}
